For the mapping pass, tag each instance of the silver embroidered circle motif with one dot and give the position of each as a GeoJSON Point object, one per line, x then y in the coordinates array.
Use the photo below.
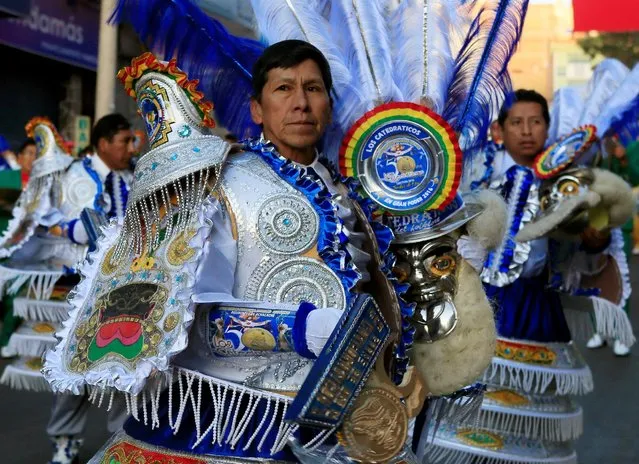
{"type": "Point", "coordinates": [296, 280]}
{"type": "Point", "coordinates": [79, 192]}
{"type": "Point", "coordinates": [287, 224]}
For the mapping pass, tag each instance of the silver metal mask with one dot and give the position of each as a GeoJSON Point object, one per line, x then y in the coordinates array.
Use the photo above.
{"type": "Point", "coordinates": [572, 183]}
{"type": "Point", "coordinates": [431, 270]}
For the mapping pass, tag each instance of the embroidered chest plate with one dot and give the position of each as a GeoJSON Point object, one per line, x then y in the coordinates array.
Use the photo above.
{"type": "Point", "coordinates": [278, 230]}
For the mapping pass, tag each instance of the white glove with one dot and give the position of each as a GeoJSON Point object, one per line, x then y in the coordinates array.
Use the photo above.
{"type": "Point", "coordinates": [472, 251]}
{"type": "Point", "coordinates": [319, 326]}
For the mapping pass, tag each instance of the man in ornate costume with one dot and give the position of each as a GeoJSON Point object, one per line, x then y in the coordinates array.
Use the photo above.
{"type": "Point", "coordinates": [251, 306]}
{"type": "Point", "coordinates": [99, 182]}
{"type": "Point", "coordinates": [559, 265]}
{"type": "Point", "coordinates": [43, 245]}
{"type": "Point", "coordinates": [34, 260]}
{"type": "Point", "coordinates": [621, 144]}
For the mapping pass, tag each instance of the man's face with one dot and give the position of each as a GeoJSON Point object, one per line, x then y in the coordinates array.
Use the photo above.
{"type": "Point", "coordinates": [525, 130]}
{"type": "Point", "coordinates": [26, 157]}
{"type": "Point", "coordinates": [117, 152]}
{"type": "Point", "coordinates": [294, 108]}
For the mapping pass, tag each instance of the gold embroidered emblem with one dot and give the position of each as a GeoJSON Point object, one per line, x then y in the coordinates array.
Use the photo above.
{"type": "Point", "coordinates": [171, 321]}
{"type": "Point", "coordinates": [521, 352]}
{"type": "Point", "coordinates": [376, 429]}
{"type": "Point", "coordinates": [179, 252]}
{"type": "Point", "coordinates": [44, 328]}
{"type": "Point", "coordinates": [108, 267]}
{"type": "Point", "coordinates": [35, 364]}
{"type": "Point", "coordinates": [481, 438]}
{"type": "Point", "coordinates": [507, 397]}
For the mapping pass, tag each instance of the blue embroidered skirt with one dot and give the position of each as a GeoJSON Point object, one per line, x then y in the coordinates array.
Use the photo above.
{"type": "Point", "coordinates": [528, 310]}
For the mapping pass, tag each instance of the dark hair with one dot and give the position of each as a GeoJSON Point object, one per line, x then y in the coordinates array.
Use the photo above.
{"type": "Point", "coordinates": [523, 95]}
{"type": "Point", "coordinates": [85, 151]}
{"type": "Point", "coordinates": [26, 143]}
{"type": "Point", "coordinates": [287, 54]}
{"type": "Point", "coordinates": [107, 126]}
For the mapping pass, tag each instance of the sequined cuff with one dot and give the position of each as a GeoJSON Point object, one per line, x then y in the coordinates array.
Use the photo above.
{"type": "Point", "coordinates": [299, 330]}
{"type": "Point", "coordinates": [74, 229]}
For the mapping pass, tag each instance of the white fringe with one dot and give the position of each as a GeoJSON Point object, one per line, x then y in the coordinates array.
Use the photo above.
{"type": "Point", "coordinates": [21, 379]}
{"type": "Point", "coordinates": [31, 345]}
{"type": "Point", "coordinates": [547, 426]}
{"type": "Point", "coordinates": [464, 409]}
{"type": "Point", "coordinates": [536, 379]}
{"type": "Point", "coordinates": [40, 284]}
{"type": "Point", "coordinates": [41, 310]}
{"type": "Point", "coordinates": [610, 321]}
{"type": "Point", "coordinates": [616, 250]}
{"type": "Point", "coordinates": [443, 455]}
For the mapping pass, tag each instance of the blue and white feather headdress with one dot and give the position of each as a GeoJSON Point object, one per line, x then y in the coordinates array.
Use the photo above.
{"type": "Point", "coordinates": [581, 114]}
{"type": "Point", "coordinates": [433, 52]}
{"type": "Point", "coordinates": [607, 94]}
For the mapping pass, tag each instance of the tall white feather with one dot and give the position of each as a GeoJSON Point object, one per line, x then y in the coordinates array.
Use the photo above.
{"type": "Point", "coordinates": [424, 33]}
{"type": "Point", "coordinates": [620, 100]}
{"type": "Point", "coordinates": [409, 52]}
{"type": "Point", "coordinates": [295, 19]}
{"type": "Point", "coordinates": [566, 109]}
{"type": "Point", "coordinates": [360, 30]}
{"type": "Point", "coordinates": [608, 76]}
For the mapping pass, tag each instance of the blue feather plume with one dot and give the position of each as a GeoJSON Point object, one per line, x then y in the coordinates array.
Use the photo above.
{"type": "Point", "coordinates": [620, 100]}
{"type": "Point", "coordinates": [204, 50]}
{"type": "Point", "coordinates": [608, 76]}
{"type": "Point", "coordinates": [626, 126]}
{"type": "Point", "coordinates": [481, 81]}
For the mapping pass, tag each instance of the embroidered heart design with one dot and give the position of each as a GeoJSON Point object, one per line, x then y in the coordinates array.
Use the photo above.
{"type": "Point", "coordinates": [128, 332]}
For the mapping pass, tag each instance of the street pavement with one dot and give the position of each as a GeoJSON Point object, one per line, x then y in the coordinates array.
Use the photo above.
{"type": "Point", "coordinates": [611, 412]}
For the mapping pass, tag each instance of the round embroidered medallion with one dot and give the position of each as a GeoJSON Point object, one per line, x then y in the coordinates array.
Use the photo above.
{"type": "Point", "coordinates": [79, 192]}
{"type": "Point", "coordinates": [287, 224]}
{"type": "Point", "coordinates": [296, 280]}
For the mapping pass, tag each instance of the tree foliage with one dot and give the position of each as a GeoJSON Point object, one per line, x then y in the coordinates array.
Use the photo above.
{"type": "Point", "coordinates": [622, 45]}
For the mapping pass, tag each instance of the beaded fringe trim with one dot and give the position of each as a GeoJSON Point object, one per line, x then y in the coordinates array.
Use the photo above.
{"type": "Point", "coordinates": [228, 426]}
{"type": "Point", "coordinates": [146, 214]}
